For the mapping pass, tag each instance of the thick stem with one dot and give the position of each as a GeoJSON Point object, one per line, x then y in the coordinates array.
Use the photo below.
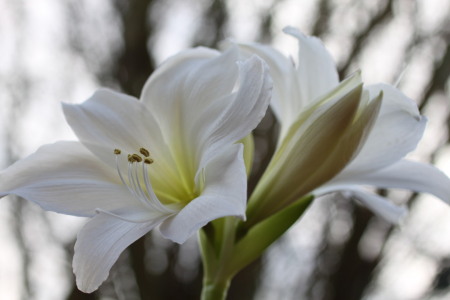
{"type": "Point", "coordinates": [215, 290]}
{"type": "Point", "coordinates": [216, 245]}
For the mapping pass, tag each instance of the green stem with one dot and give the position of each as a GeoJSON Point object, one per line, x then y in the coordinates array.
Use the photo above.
{"type": "Point", "coordinates": [215, 290]}
{"type": "Point", "coordinates": [216, 245]}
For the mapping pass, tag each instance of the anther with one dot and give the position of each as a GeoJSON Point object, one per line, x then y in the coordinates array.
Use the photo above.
{"type": "Point", "coordinates": [117, 151]}
{"type": "Point", "coordinates": [144, 152]}
{"type": "Point", "coordinates": [136, 157]}
{"type": "Point", "coordinates": [148, 161]}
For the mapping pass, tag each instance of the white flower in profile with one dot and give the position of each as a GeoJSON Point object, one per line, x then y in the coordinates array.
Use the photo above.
{"type": "Point", "coordinates": [169, 160]}
{"type": "Point", "coordinates": [315, 159]}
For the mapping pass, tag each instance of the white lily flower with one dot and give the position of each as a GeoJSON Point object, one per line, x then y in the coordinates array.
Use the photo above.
{"type": "Point", "coordinates": [378, 159]}
{"type": "Point", "coordinates": [169, 161]}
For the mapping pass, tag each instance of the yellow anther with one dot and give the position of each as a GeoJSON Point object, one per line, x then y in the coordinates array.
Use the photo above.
{"type": "Point", "coordinates": [117, 151]}
{"type": "Point", "coordinates": [148, 161]}
{"type": "Point", "coordinates": [136, 157]}
{"type": "Point", "coordinates": [144, 152]}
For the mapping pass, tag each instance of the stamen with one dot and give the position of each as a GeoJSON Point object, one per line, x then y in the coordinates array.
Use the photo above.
{"type": "Point", "coordinates": [132, 181]}
{"type": "Point", "coordinates": [121, 176]}
{"type": "Point", "coordinates": [144, 152]}
{"type": "Point", "coordinates": [132, 169]}
{"type": "Point", "coordinates": [152, 197]}
{"type": "Point", "coordinates": [143, 191]}
{"type": "Point", "coordinates": [145, 194]}
{"type": "Point", "coordinates": [148, 161]}
{"type": "Point", "coordinates": [136, 157]}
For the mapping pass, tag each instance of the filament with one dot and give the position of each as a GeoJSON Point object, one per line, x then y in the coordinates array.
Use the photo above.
{"type": "Point", "coordinates": [140, 186]}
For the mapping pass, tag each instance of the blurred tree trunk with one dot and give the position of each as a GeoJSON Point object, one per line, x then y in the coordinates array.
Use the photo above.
{"type": "Point", "coordinates": [134, 65]}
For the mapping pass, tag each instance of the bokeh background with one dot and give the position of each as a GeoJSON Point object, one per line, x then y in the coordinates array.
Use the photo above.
{"type": "Point", "coordinates": [54, 51]}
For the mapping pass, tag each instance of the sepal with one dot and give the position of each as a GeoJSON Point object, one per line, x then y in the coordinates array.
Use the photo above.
{"type": "Point", "coordinates": [252, 242]}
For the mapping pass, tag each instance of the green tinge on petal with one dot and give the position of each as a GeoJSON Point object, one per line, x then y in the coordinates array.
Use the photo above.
{"type": "Point", "coordinates": [249, 150]}
{"type": "Point", "coordinates": [317, 108]}
{"type": "Point", "coordinates": [311, 156]}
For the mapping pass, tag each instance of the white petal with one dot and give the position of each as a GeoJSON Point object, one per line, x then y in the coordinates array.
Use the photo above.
{"type": "Point", "coordinates": [380, 206]}
{"type": "Point", "coordinates": [286, 100]}
{"type": "Point", "coordinates": [66, 178]}
{"type": "Point", "coordinates": [225, 194]}
{"type": "Point", "coordinates": [110, 120]}
{"type": "Point", "coordinates": [243, 112]}
{"type": "Point", "coordinates": [404, 174]}
{"type": "Point", "coordinates": [191, 73]}
{"type": "Point", "coordinates": [395, 100]}
{"type": "Point", "coordinates": [209, 101]}
{"type": "Point", "coordinates": [377, 204]}
{"type": "Point", "coordinates": [295, 89]}
{"type": "Point", "coordinates": [99, 244]}
{"type": "Point", "coordinates": [316, 68]}
{"type": "Point", "coordinates": [183, 87]}
{"type": "Point", "coordinates": [397, 131]}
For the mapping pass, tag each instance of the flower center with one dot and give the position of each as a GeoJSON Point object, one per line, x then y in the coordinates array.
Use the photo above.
{"type": "Point", "coordinates": [137, 180]}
